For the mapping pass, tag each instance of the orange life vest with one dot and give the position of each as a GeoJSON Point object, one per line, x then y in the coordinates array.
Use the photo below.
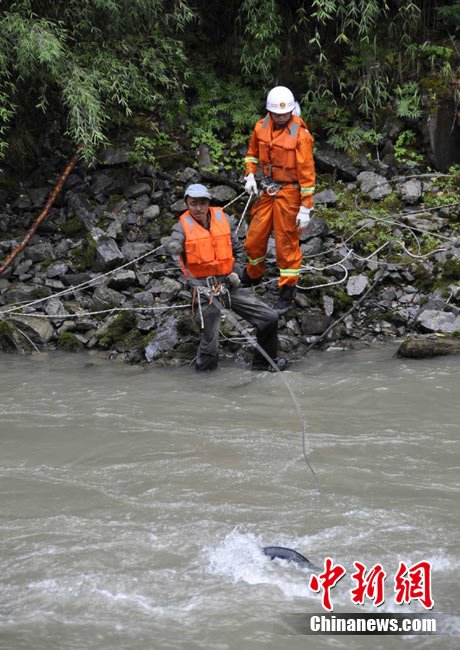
{"type": "Point", "coordinates": [277, 148]}
{"type": "Point", "coordinates": [208, 252]}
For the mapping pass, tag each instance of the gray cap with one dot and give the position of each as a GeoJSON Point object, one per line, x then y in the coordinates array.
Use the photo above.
{"type": "Point", "coordinates": [197, 191]}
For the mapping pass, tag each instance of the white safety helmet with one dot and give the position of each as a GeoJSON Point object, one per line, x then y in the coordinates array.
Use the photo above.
{"type": "Point", "coordinates": [197, 191]}
{"type": "Point", "coordinates": [280, 100]}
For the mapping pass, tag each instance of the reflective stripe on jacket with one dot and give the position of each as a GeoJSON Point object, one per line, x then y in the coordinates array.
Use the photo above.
{"type": "Point", "coordinates": [208, 252]}
{"type": "Point", "coordinates": [277, 150]}
{"type": "Point", "coordinates": [285, 155]}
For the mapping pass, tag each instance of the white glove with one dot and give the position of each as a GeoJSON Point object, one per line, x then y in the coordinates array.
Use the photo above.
{"type": "Point", "coordinates": [233, 279]}
{"type": "Point", "coordinates": [303, 218]}
{"type": "Point", "coordinates": [251, 185]}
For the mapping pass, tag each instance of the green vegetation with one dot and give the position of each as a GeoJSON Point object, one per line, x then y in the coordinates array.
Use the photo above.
{"type": "Point", "coordinates": [405, 148]}
{"type": "Point", "coordinates": [123, 334]}
{"type": "Point", "coordinates": [73, 226]}
{"type": "Point", "coordinates": [6, 338]}
{"type": "Point", "coordinates": [450, 270]}
{"type": "Point", "coordinates": [69, 342]}
{"type": "Point", "coordinates": [83, 256]}
{"type": "Point", "coordinates": [81, 70]}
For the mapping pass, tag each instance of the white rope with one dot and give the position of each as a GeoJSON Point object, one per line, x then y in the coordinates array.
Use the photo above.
{"type": "Point", "coordinates": [233, 200]}
{"type": "Point", "coordinates": [102, 311]}
{"type": "Point", "coordinates": [244, 212]}
{"type": "Point", "coordinates": [74, 288]}
{"type": "Point", "coordinates": [328, 284]}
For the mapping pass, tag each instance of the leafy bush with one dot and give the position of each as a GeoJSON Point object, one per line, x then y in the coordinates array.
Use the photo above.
{"type": "Point", "coordinates": [81, 69]}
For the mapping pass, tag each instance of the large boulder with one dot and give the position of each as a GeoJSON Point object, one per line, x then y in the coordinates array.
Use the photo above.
{"type": "Point", "coordinates": [330, 160]}
{"type": "Point", "coordinates": [428, 346]}
{"type": "Point", "coordinates": [376, 186]}
{"type": "Point", "coordinates": [438, 321]}
{"type": "Point", "coordinates": [39, 330]}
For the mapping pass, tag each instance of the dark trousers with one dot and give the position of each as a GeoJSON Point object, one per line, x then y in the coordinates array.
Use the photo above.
{"type": "Point", "coordinates": [247, 305]}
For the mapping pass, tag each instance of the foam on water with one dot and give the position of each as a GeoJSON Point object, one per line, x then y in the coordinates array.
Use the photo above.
{"type": "Point", "coordinates": [239, 557]}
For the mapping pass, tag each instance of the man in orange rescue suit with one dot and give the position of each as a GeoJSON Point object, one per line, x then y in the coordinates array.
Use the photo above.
{"type": "Point", "coordinates": [282, 147]}
{"type": "Point", "coordinates": [206, 246]}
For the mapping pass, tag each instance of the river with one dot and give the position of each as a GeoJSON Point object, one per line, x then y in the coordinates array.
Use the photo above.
{"type": "Point", "coordinates": [136, 501]}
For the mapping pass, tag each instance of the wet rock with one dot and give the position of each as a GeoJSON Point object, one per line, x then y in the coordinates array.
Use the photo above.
{"type": "Point", "coordinates": [39, 330]}
{"type": "Point", "coordinates": [23, 202]}
{"type": "Point", "coordinates": [357, 284]}
{"type": "Point", "coordinates": [222, 193]}
{"type": "Point", "coordinates": [293, 326]}
{"type": "Point", "coordinates": [178, 207]}
{"type": "Point", "coordinates": [326, 197]}
{"type": "Point", "coordinates": [328, 303]}
{"type": "Point", "coordinates": [108, 255]}
{"type": "Point", "coordinates": [105, 298]}
{"type": "Point", "coordinates": [39, 196]}
{"type": "Point", "coordinates": [330, 160]}
{"type": "Point", "coordinates": [188, 175]}
{"type": "Point", "coordinates": [428, 346]}
{"type": "Point", "coordinates": [140, 204]}
{"type": "Point", "coordinates": [101, 183]}
{"type": "Point", "coordinates": [145, 324]}
{"type": "Point", "coordinates": [56, 285]}
{"type": "Point", "coordinates": [426, 223]}
{"type": "Point", "coordinates": [74, 279]}
{"type": "Point", "coordinates": [133, 250]}
{"type": "Point", "coordinates": [442, 133]}
{"type": "Point", "coordinates": [115, 229]}
{"type": "Point", "coordinates": [112, 157]}
{"type": "Point", "coordinates": [410, 191]}
{"type": "Point", "coordinates": [22, 268]}
{"type": "Point", "coordinates": [151, 213]}
{"type": "Point", "coordinates": [57, 270]}
{"type": "Point", "coordinates": [67, 326]}
{"type": "Point", "coordinates": [317, 227]}
{"type": "Point", "coordinates": [78, 206]}
{"type": "Point", "coordinates": [169, 288]}
{"type": "Point", "coordinates": [314, 323]}
{"type": "Point", "coordinates": [13, 340]}
{"type": "Point", "coordinates": [376, 186]}
{"type": "Point", "coordinates": [54, 307]}
{"type": "Point", "coordinates": [24, 293]}
{"type": "Point", "coordinates": [164, 342]}
{"type": "Point", "coordinates": [144, 298]}
{"type": "Point", "coordinates": [301, 300]}
{"type": "Point", "coordinates": [121, 280]}
{"type": "Point", "coordinates": [4, 284]}
{"type": "Point", "coordinates": [7, 246]}
{"type": "Point", "coordinates": [85, 324]}
{"type": "Point", "coordinates": [312, 246]}
{"type": "Point", "coordinates": [39, 252]}
{"type": "Point", "coordinates": [438, 321]}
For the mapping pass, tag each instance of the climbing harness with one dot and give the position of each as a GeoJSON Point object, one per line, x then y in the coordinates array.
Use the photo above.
{"type": "Point", "coordinates": [269, 186]}
{"type": "Point", "coordinates": [272, 187]}
{"type": "Point", "coordinates": [213, 288]}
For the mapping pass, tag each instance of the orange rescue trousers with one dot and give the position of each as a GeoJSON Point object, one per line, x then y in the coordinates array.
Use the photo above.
{"type": "Point", "coordinates": [278, 214]}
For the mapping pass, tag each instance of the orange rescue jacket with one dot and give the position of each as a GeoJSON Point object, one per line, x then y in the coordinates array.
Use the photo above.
{"type": "Point", "coordinates": [208, 252]}
{"type": "Point", "coordinates": [286, 155]}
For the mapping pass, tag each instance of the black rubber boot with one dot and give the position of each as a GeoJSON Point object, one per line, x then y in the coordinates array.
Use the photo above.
{"type": "Point", "coordinates": [281, 364]}
{"type": "Point", "coordinates": [246, 281]}
{"type": "Point", "coordinates": [286, 300]}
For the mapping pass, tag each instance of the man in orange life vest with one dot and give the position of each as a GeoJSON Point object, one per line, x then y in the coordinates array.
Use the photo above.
{"type": "Point", "coordinates": [205, 244]}
{"type": "Point", "coordinates": [282, 147]}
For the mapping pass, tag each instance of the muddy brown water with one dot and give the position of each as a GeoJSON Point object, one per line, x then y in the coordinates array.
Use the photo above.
{"type": "Point", "coordinates": [135, 502]}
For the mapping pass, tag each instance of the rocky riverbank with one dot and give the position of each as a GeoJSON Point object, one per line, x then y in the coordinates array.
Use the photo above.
{"type": "Point", "coordinates": [381, 259]}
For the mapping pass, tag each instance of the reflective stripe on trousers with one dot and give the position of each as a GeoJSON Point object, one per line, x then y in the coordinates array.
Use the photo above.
{"type": "Point", "coordinates": [278, 214]}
